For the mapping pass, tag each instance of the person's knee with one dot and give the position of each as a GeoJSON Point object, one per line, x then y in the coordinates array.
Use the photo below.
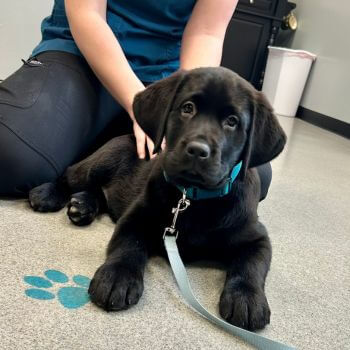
{"type": "Point", "coordinates": [21, 166]}
{"type": "Point", "coordinates": [265, 174]}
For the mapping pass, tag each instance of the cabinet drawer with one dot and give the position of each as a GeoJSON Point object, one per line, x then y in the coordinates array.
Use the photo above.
{"type": "Point", "coordinates": [258, 6]}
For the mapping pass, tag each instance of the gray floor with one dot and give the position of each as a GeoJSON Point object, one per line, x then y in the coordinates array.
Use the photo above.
{"type": "Point", "coordinates": [307, 214]}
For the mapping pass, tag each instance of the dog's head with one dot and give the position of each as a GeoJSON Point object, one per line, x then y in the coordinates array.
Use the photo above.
{"type": "Point", "coordinates": [211, 119]}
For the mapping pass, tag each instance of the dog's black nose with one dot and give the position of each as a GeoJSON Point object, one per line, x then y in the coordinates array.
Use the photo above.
{"type": "Point", "coordinates": [198, 150]}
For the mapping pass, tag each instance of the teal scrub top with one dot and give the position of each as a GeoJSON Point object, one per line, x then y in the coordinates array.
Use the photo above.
{"type": "Point", "coordinates": [149, 32]}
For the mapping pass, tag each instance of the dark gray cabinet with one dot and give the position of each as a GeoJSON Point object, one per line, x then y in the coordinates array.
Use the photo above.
{"type": "Point", "coordinates": [254, 25]}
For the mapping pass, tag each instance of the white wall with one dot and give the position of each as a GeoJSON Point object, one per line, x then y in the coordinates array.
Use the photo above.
{"type": "Point", "coordinates": [19, 31]}
{"type": "Point", "coordinates": [324, 29]}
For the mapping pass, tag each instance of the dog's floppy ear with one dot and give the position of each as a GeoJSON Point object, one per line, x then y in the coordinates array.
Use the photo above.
{"type": "Point", "coordinates": [266, 137]}
{"type": "Point", "coordinates": [153, 105]}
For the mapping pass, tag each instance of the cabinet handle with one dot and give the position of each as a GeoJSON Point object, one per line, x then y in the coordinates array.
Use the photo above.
{"type": "Point", "coordinates": [290, 22]}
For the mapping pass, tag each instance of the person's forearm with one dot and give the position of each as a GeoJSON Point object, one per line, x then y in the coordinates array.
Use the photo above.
{"type": "Point", "coordinates": [101, 49]}
{"type": "Point", "coordinates": [200, 51]}
{"type": "Point", "coordinates": [204, 34]}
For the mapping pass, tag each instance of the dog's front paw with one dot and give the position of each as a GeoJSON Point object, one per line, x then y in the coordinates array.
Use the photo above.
{"type": "Point", "coordinates": [48, 197]}
{"type": "Point", "coordinates": [245, 306]}
{"type": "Point", "coordinates": [116, 287]}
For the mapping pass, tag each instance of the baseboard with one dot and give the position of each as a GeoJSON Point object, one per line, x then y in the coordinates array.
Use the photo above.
{"type": "Point", "coordinates": [331, 124]}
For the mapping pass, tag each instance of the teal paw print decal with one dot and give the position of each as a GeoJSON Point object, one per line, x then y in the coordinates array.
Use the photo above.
{"type": "Point", "coordinates": [70, 297]}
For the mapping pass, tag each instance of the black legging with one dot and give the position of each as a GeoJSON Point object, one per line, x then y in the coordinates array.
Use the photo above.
{"type": "Point", "coordinates": [53, 111]}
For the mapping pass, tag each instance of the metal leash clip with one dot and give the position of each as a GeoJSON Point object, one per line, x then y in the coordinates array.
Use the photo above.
{"type": "Point", "coordinates": [182, 205]}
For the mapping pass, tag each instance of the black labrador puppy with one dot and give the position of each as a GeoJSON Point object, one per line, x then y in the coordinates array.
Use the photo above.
{"type": "Point", "coordinates": [212, 121]}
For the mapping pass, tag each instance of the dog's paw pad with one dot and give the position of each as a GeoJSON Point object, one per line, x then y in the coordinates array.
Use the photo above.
{"type": "Point", "coordinates": [75, 201]}
{"type": "Point", "coordinates": [82, 208]}
{"type": "Point", "coordinates": [73, 209]}
{"type": "Point", "coordinates": [70, 297]}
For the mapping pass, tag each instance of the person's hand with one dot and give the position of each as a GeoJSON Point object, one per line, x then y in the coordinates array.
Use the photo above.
{"type": "Point", "coordinates": [143, 142]}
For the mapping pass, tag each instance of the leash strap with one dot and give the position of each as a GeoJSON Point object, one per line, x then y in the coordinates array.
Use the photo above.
{"type": "Point", "coordinates": [179, 271]}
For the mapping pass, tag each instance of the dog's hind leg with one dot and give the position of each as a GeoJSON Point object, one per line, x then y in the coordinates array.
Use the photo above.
{"type": "Point", "coordinates": [115, 158]}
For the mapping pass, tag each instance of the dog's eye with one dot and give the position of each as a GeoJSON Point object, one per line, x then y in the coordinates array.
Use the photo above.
{"type": "Point", "coordinates": [231, 121]}
{"type": "Point", "coordinates": [188, 109]}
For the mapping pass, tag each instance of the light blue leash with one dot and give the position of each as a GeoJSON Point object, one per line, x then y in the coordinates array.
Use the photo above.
{"type": "Point", "coordinates": [170, 236]}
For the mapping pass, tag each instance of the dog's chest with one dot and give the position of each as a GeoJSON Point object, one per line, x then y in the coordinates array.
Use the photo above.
{"type": "Point", "coordinates": [201, 233]}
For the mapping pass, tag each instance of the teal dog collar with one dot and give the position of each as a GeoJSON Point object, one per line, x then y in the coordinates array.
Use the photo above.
{"type": "Point", "coordinates": [197, 193]}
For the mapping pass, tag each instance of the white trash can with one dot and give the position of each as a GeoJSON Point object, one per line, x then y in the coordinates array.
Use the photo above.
{"type": "Point", "coordinates": [285, 76]}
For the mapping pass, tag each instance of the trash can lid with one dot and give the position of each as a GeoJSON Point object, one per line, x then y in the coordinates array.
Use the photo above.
{"type": "Point", "coordinates": [291, 52]}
